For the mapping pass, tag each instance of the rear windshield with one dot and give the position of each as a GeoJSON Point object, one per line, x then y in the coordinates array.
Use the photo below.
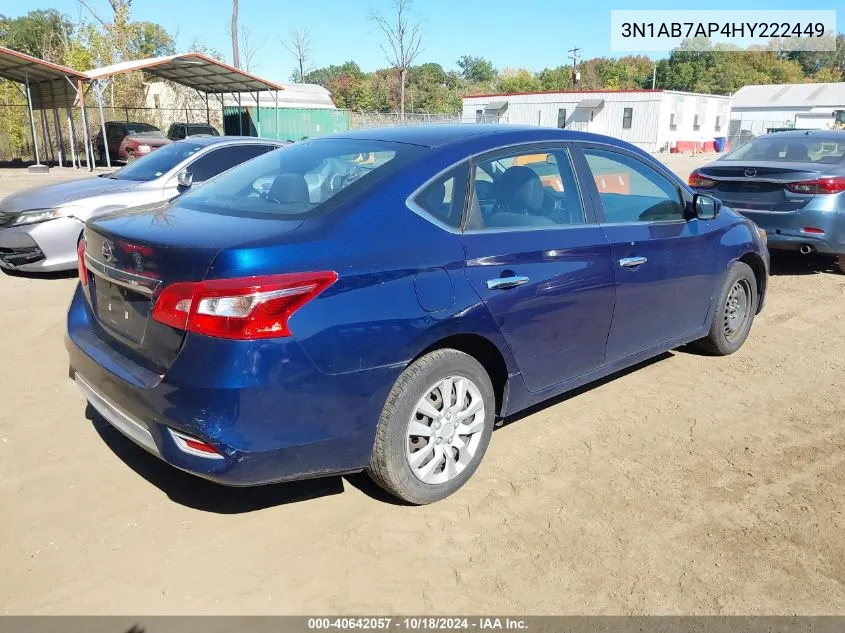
{"type": "Point", "coordinates": [298, 179]}
{"type": "Point", "coordinates": [791, 149]}
{"type": "Point", "coordinates": [157, 163]}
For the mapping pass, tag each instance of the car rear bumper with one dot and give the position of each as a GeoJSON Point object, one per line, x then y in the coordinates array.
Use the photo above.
{"type": "Point", "coordinates": [791, 231]}
{"type": "Point", "coordinates": [43, 247]}
{"type": "Point", "coordinates": [292, 423]}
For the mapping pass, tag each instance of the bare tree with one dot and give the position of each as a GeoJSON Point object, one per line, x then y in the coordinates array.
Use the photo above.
{"type": "Point", "coordinates": [249, 48]}
{"type": "Point", "coordinates": [404, 42]}
{"type": "Point", "coordinates": [298, 44]}
{"type": "Point", "coordinates": [236, 55]}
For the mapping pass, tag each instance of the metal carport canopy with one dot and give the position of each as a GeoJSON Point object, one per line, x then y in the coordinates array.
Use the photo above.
{"type": "Point", "coordinates": [48, 86]}
{"type": "Point", "coordinates": [194, 70]}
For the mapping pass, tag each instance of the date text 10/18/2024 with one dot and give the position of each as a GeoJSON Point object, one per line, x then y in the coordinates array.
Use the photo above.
{"type": "Point", "coordinates": [418, 624]}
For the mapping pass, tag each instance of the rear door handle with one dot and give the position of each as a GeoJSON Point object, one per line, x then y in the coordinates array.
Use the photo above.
{"type": "Point", "coordinates": [632, 262]}
{"type": "Point", "coordinates": [505, 283]}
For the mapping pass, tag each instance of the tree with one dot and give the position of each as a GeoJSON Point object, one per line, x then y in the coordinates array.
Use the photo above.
{"type": "Point", "coordinates": [299, 45]}
{"type": "Point", "coordinates": [518, 80]}
{"type": "Point", "coordinates": [558, 78]}
{"type": "Point", "coordinates": [43, 33]}
{"type": "Point", "coordinates": [404, 43]}
{"type": "Point", "coordinates": [249, 48]}
{"type": "Point", "coordinates": [476, 70]}
{"type": "Point", "coordinates": [236, 55]}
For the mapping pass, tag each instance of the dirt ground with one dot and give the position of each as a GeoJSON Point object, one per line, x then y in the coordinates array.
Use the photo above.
{"type": "Point", "coordinates": [689, 485]}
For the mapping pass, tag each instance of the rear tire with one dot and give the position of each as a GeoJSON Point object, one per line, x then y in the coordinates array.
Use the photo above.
{"type": "Point", "coordinates": [435, 427]}
{"type": "Point", "coordinates": [839, 264]}
{"type": "Point", "coordinates": [734, 315]}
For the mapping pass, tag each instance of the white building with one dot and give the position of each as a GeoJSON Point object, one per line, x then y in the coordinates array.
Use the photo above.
{"type": "Point", "coordinates": [165, 95]}
{"type": "Point", "coordinates": [756, 108]}
{"type": "Point", "coordinates": [654, 120]}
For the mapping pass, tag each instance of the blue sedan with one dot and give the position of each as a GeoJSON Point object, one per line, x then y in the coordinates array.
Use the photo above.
{"type": "Point", "coordinates": [374, 300]}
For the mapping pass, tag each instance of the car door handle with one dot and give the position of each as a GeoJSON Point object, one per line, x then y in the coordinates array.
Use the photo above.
{"type": "Point", "coordinates": [505, 283]}
{"type": "Point", "coordinates": [632, 262]}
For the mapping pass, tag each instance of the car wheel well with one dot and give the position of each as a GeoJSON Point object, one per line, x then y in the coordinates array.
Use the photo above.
{"type": "Point", "coordinates": [485, 352]}
{"type": "Point", "coordinates": [755, 262]}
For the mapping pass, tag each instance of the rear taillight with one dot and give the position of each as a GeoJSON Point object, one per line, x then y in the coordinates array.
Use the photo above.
{"type": "Point", "coordinates": [835, 184]}
{"type": "Point", "coordinates": [697, 180]}
{"type": "Point", "coordinates": [245, 308]}
{"type": "Point", "coordinates": [80, 256]}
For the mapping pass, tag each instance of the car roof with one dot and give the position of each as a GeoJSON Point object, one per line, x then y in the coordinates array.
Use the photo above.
{"type": "Point", "coordinates": [205, 141]}
{"type": "Point", "coordinates": [437, 135]}
{"type": "Point", "coordinates": [838, 135]}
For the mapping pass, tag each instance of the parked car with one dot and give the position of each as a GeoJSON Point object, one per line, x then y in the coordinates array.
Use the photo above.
{"type": "Point", "coordinates": [40, 228]}
{"type": "Point", "coordinates": [792, 184]}
{"type": "Point", "coordinates": [128, 141]}
{"type": "Point", "coordinates": [179, 131]}
{"type": "Point", "coordinates": [306, 314]}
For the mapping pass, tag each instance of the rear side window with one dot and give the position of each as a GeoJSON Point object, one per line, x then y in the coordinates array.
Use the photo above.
{"type": "Point", "coordinates": [301, 178]}
{"type": "Point", "coordinates": [443, 199]}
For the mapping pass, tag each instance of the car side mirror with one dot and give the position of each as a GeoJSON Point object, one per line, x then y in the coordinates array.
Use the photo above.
{"type": "Point", "coordinates": [705, 207]}
{"type": "Point", "coordinates": [184, 179]}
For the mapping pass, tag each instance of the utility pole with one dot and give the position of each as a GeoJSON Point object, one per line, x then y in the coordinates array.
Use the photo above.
{"type": "Point", "coordinates": [654, 77]}
{"type": "Point", "coordinates": [574, 56]}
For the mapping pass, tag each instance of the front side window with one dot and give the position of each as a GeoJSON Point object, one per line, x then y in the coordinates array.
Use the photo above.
{"type": "Point", "coordinates": [301, 178]}
{"type": "Point", "coordinates": [443, 199]}
{"type": "Point", "coordinates": [632, 191]}
{"type": "Point", "coordinates": [627, 117]}
{"type": "Point", "coordinates": [524, 190]}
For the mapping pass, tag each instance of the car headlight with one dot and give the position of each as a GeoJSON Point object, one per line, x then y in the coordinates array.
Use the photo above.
{"type": "Point", "coordinates": [144, 149]}
{"type": "Point", "coordinates": [35, 216]}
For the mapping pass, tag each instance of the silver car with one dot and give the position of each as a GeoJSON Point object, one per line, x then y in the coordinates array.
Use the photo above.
{"type": "Point", "coordinates": [792, 184]}
{"type": "Point", "coordinates": [40, 228]}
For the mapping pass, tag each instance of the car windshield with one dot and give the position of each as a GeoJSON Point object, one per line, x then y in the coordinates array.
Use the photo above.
{"type": "Point", "coordinates": [157, 163]}
{"type": "Point", "coordinates": [202, 129]}
{"type": "Point", "coordinates": [141, 129]}
{"type": "Point", "coordinates": [301, 178]}
{"type": "Point", "coordinates": [792, 149]}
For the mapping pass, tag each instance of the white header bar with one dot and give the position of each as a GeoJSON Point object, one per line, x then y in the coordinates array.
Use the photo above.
{"type": "Point", "coordinates": [662, 31]}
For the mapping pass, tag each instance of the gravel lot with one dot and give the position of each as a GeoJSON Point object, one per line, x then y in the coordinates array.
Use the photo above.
{"type": "Point", "coordinates": [690, 485]}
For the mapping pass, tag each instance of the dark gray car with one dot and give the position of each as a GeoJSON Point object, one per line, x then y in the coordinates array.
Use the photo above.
{"type": "Point", "coordinates": [792, 184]}
{"type": "Point", "coordinates": [40, 228]}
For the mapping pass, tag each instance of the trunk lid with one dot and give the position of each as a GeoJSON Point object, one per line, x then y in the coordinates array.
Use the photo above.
{"type": "Point", "coordinates": [132, 255]}
{"type": "Point", "coordinates": [760, 186]}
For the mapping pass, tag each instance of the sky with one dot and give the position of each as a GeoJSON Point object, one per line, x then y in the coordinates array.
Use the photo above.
{"type": "Point", "coordinates": [531, 34]}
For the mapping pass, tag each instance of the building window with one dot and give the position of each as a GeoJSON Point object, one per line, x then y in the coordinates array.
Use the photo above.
{"type": "Point", "coordinates": [696, 123]}
{"type": "Point", "coordinates": [627, 116]}
{"type": "Point", "coordinates": [561, 118]}
{"type": "Point", "coordinates": [718, 124]}
{"type": "Point", "coordinates": [479, 116]}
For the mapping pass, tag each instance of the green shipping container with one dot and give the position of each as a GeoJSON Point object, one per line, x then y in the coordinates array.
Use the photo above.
{"type": "Point", "coordinates": [293, 123]}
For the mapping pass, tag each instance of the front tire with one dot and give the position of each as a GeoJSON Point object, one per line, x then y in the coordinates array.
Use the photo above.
{"type": "Point", "coordinates": [734, 315]}
{"type": "Point", "coordinates": [435, 427]}
{"type": "Point", "coordinates": [839, 264]}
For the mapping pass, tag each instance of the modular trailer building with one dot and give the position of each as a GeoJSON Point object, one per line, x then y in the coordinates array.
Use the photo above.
{"type": "Point", "coordinates": [654, 120]}
{"type": "Point", "coordinates": [754, 109]}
